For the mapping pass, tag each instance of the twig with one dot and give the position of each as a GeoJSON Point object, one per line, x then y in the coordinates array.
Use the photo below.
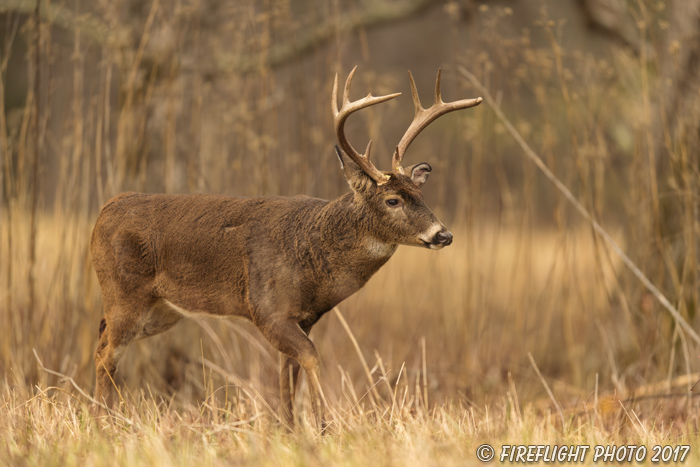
{"type": "Point", "coordinates": [633, 400]}
{"type": "Point", "coordinates": [579, 207]}
{"type": "Point", "coordinates": [634, 424]}
{"type": "Point", "coordinates": [233, 426]}
{"type": "Point", "coordinates": [36, 109]}
{"type": "Point", "coordinates": [425, 373]}
{"type": "Point", "coordinates": [80, 390]}
{"type": "Point", "coordinates": [393, 394]}
{"type": "Point", "coordinates": [241, 385]}
{"type": "Point", "coordinates": [362, 358]}
{"type": "Point", "coordinates": [367, 392]}
{"type": "Point", "coordinates": [549, 391]}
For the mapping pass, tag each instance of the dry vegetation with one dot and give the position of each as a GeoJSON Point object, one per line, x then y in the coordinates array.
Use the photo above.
{"type": "Point", "coordinates": [190, 96]}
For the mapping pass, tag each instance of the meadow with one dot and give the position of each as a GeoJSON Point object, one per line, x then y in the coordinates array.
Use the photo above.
{"type": "Point", "coordinates": [528, 330]}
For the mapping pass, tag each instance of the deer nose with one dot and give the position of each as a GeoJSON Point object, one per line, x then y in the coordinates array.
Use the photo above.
{"type": "Point", "coordinates": [443, 238]}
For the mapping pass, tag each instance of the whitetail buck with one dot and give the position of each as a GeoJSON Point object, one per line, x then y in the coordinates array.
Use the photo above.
{"type": "Point", "coordinates": [279, 262]}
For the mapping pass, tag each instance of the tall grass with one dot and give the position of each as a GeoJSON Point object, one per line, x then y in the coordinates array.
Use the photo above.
{"type": "Point", "coordinates": [195, 97]}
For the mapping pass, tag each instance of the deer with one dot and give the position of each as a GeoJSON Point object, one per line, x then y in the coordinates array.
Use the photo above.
{"type": "Point", "coordinates": [279, 262]}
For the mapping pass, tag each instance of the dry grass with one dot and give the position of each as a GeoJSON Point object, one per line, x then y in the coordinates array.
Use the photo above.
{"type": "Point", "coordinates": [202, 98]}
{"type": "Point", "coordinates": [50, 429]}
{"type": "Point", "coordinates": [213, 397]}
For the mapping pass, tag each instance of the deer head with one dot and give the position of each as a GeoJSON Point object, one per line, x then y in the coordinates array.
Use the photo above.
{"type": "Point", "coordinates": [394, 198]}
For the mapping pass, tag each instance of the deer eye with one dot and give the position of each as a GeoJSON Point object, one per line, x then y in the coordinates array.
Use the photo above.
{"type": "Point", "coordinates": [393, 202]}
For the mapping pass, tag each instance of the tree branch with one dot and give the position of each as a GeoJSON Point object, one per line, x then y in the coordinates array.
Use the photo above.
{"type": "Point", "coordinates": [86, 24]}
{"type": "Point", "coordinates": [374, 15]}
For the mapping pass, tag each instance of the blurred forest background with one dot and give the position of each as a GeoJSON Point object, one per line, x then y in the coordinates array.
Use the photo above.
{"type": "Point", "coordinates": [104, 96]}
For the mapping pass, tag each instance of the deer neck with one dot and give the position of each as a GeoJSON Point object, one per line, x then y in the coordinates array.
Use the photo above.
{"type": "Point", "coordinates": [349, 226]}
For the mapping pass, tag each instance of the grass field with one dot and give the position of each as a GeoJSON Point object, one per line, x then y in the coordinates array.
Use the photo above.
{"type": "Point", "coordinates": [445, 376]}
{"type": "Point", "coordinates": [528, 330]}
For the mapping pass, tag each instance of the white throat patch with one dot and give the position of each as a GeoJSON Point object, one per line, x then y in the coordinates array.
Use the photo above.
{"type": "Point", "coordinates": [379, 249]}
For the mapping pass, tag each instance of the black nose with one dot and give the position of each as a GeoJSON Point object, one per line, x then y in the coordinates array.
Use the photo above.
{"type": "Point", "coordinates": [443, 238]}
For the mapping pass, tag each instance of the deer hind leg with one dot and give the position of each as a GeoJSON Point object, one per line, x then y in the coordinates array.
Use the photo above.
{"type": "Point", "coordinates": [292, 341]}
{"type": "Point", "coordinates": [103, 384]}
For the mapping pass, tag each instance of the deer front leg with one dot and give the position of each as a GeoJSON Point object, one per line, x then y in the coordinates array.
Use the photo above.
{"type": "Point", "coordinates": [289, 377]}
{"type": "Point", "coordinates": [291, 340]}
{"type": "Point", "coordinates": [289, 372]}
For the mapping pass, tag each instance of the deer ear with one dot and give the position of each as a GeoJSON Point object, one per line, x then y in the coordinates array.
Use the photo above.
{"type": "Point", "coordinates": [354, 175]}
{"type": "Point", "coordinates": [419, 173]}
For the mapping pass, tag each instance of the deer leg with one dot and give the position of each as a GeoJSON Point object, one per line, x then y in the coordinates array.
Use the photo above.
{"type": "Point", "coordinates": [106, 360]}
{"type": "Point", "coordinates": [289, 372]}
{"type": "Point", "coordinates": [102, 389]}
{"type": "Point", "coordinates": [292, 341]}
{"type": "Point", "coordinates": [115, 337]}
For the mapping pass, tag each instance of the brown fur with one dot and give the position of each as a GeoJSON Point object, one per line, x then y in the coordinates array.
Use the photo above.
{"type": "Point", "coordinates": [279, 262]}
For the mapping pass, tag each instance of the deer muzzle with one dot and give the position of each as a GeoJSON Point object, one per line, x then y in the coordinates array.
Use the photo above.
{"type": "Point", "coordinates": [443, 238]}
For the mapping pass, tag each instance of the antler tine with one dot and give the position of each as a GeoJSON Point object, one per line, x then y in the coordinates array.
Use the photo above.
{"type": "Point", "coordinates": [341, 116]}
{"type": "Point", "coordinates": [334, 99]}
{"type": "Point", "coordinates": [423, 117]}
{"type": "Point", "coordinates": [346, 91]}
{"type": "Point", "coordinates": [369, 148]}
{"type": "Point", "coordinates": [414, 94]}
{"type": "Point", "coordinates": [438, 96]}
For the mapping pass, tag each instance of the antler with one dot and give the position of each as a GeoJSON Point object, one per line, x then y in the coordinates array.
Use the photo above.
{"type": "Point", "coordinates": [348, 108]}
{"type": "Point", "coordinates": [423, 117]}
